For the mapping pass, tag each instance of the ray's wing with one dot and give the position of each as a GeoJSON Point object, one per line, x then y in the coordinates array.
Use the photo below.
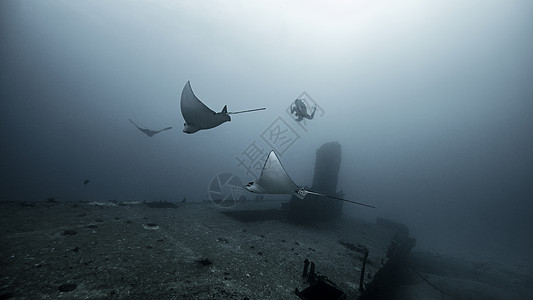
{"type": "Point", "coordinates": [192, 109]}
{"type": "Point", "coordinates": [274, 179]}
{"type": "Point", "coordinates": [135, 124]}
{"type": "Point", "coordinates": [160, 130]}
{"type": "Point", "coordinates": [146, 131]}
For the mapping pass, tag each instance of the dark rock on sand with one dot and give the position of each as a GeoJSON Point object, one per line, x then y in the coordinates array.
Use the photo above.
{"type": "Point", "coordinates": [205, 262]}
{"type": "Point", "coordinates": [67, 287]}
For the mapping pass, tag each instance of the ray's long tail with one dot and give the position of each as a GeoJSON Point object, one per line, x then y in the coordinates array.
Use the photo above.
{"type": "Point", "coordinates": [337, 198]}
{"type": "Point", "coordinates": [245, 111]}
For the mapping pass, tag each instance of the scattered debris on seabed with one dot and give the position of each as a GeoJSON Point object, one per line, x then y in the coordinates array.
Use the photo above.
{"type": "Point", "coordinates": [130, 251]}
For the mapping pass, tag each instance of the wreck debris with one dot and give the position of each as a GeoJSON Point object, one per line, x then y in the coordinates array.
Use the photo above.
{"type": "Point", "coordinates": [320, 286]}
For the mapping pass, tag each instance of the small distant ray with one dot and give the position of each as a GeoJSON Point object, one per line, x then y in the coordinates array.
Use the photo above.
{"type": "Point", "coordinates": [149, 132]}
{"type": "Point", "coordinates": [198, 116]}
{"type": "Point", "coordinates": [275, 180]}
{"type": "Point", "coordinates": [86, 181]}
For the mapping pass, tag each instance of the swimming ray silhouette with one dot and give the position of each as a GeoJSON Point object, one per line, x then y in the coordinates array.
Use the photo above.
{"type": "Point", "coordinates": [275, 180]}
{"type": "Point", "coordinates": [198, 116]}
{"type": "Point", "coordinates": [149, 132]}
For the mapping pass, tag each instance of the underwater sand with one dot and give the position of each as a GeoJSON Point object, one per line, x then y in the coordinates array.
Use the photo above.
{"type": "Point", "coordinates": [74, 250]}
{"type": "Point", "coordinates": [80, 250]}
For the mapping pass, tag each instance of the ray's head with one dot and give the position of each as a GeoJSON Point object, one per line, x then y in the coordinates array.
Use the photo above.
{"type": "Point", "coordinates": [188, 128]}
{"type": "Point", "coordinates": [208, 123]}
{"type": "Point", "coordinates": [222, 117]}
{"type": "Point", "coordinates": [254, 187]}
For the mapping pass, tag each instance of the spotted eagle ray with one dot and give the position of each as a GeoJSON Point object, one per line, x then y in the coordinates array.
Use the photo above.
{"type": "Point", "coordinates": [275, 180]}
{"type": "Point", "coordinates": [147, 131]}
{"type": "Point", "coordinates": [198, 116]}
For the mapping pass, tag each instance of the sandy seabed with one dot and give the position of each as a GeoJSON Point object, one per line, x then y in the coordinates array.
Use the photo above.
{"type": "Point", "coordinates": [81, 250]}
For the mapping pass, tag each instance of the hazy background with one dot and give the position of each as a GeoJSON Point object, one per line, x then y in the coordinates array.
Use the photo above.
{"type": "Point", "coordinates": [432, 102]}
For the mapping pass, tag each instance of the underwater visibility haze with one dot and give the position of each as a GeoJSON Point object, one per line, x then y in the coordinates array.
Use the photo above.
{"type": "Point", "coordinates": [432, 103]}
